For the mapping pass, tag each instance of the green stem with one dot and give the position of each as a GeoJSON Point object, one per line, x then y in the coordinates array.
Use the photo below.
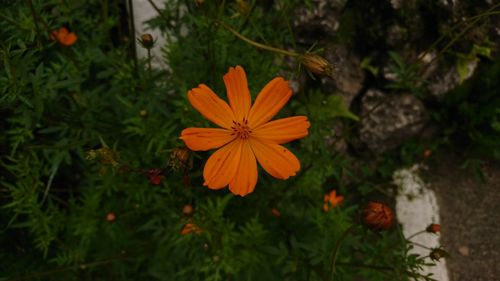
{"type": "Point", "coordinates": [420, 245]}
{"type": "Point", "coordinates": [35, 19]}
{"type": "Point", "coordinates": [474, 19]}
{"type": "Point", "coordinates": [69, 268]}
{"type": "Point", "coordinates": [149, 60]}
{"type": "Point", "coordinates": [13, 22]}
{"type": "Point", "coordinates": [132, 36]}
{"type": "Point", "coordinates": [337, 248]}
{"type": "Point", "coordinates": [257, 44]}
{"type": "Point", "coordinates": [415, 234]}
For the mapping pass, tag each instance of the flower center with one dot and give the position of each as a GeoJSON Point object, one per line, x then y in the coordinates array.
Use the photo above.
{"type": "Point", "coordinates": [241, 129]}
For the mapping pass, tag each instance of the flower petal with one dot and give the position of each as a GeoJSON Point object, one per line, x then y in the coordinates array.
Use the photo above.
{"type": "Point", "coordinates": [283, 130]}
{"type": "Point", "coordinates": [205, 138]}
{"type": "Point", "coordinates": [269, 101]}
{"type": "Point", "coordinates": [245, 178]}
{"type": "Point", "coordinates": [278, 161]}
{"type": "Point", "coordinates": [222, 165]}
{"type": "Point", "coordinates": [69, 39]}
{"type": "Point", "coordinates": [237, 92]}
{"type": "Point", "coordinates": [211, 106]}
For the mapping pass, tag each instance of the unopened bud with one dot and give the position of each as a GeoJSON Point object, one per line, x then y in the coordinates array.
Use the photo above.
{"type": "Point", "coordinates": [110, 217]}
{"type": "Point", "coordinates": [378, 216]}
{"type": "Point", "coordinates": [433, 228]}
{"type": "Point", "coordinates": [143, 113]}
{"type": "Point", "coordinates": [147, 41]}
{"type": "Point", "coordinates": [188, 210]}
{"type": "Point", "coordinates": [316, 64]}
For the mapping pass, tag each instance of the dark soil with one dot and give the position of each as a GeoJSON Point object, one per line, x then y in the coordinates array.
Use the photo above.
{"type": "Point", "coordinates": [470, 217]}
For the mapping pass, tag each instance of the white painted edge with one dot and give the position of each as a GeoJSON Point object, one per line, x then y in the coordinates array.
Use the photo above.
{"type": "Point", "coordinates": [417, 208]}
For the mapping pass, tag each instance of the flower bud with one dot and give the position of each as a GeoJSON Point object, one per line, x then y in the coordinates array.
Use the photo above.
{"type": "Point", "coordinates": [316, 64]}
{"type": "Point", "coordinates": [155, 176]}
{"type": "Point", "coordinates": [143, 113]}
{"type": "Point", "coordinates": [433, 228]}
{"type": "Point", "coordinates": [276, 212]}
{"type": "Point", "coordinates": [378, 216]}
{"type": "Point", "coordinates": [147, 41]}
{"type": "Point", "coordinates": [188, 210]}
{"type": "Point", "coordinates": [110, 217]}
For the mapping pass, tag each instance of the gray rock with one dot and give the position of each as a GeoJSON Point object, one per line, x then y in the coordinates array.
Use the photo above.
{"type": "Point", "coordinates": [347, 77]}
{"type": "Point", "coordinates": [389, 120]}
{"type": "Point", "coordinates": [443, 78]}
{"type": "Point", "coordinates": [312, 24]}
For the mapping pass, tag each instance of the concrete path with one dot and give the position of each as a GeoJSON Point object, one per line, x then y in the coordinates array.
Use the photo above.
{"type": "Point", "coordinates": [470, 217]}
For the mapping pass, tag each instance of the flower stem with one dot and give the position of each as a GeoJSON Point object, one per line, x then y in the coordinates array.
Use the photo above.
{"type": "Point", "coordinates": [474, 20]}
{"type": "Point", "coordinates": [257, 44]}
{"type": "Point", "coordinates": [337, 248]}
{"type": "Point", "coordinates": [415, 234]}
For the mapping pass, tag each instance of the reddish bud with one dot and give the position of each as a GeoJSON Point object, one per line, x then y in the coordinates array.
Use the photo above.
{"type": "Point", "coordinates": [427, 153]}
{"type": "Point", "coordinates": [155, 176]}
{"type": "Point", "coordinates": [275, 212]}
{"type": "Point", "coordinates": [188, 210]}
{"type": "Point", "coordinates": [110, 217]}
{"type": "Point", "coordinates": [378, 216]}
{"type": "Point", "coordinates": [433, 228]}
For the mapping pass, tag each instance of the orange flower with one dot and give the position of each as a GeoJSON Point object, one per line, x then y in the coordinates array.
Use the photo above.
{"type": "Point", "coordinates": [189, 228]}
{"type": "Point", "coordinates": [246, 135]}
{"type": "Point", "coordinates": [64, 37]}
{"type": "Point", "coordinates": [333, 199]}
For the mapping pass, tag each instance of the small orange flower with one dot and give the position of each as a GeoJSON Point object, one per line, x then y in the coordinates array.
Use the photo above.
{"type": "Point", "coordinates": [333, 199]}
{"type": "Point", "coordinates": [110, 217]}
{"type": "Point", "coordinates": [247, 135]}
{"type": "Point", "coordinates": [64, 37]}
{"type": "Point", "coordinates": [378, 216]}
{"type": "Point", "coordinates": [433, 228]}
{"type": "Point", "coordinates": [189, 228]}
{"type": "Point", "coordinates": [276, 212]}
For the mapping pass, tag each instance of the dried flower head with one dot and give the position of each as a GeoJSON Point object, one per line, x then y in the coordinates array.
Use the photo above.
{"type": "Point", "coordinates": [427, 153]}
{"type": "Point", "coordinates": [180, 158]}
{"type": "Point", "coordinates": [316, 64]}
{"type": "Point", "coordinates": [155, 176]}
{"type": "Point", "coordinates": [433, 228]}
{"type": "Point", "coordinates": [64, 37]}
{"type": "Point", "coordinates": [247, 134]}
{"type": "Point", "coordinates": [331, 200]}
{"type": "Point", "coordinates": [104, 155]}
{"type": "Point", "coordinates": [437, 253]}
{"type": "Point", "coordinates": [378, 216]}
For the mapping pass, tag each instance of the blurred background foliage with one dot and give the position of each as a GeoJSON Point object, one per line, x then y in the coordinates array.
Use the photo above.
{"type": "Point", "coordinates": [94, 181]}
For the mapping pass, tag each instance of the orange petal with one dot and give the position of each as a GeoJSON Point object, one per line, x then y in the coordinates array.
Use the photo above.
{"type": "Point", "coordinates": [205, 138]}
{"type": "Point", "coordinates": [283, 130]}
{"type": "Point", "coordinates": [211, 106]}
{"type": "Point", "coordinates": [237, 92]}
{"type": "Point", "coordinates": [222, 165]}
{"type": "Point", "coordinates": [269, 101]}
{"type": "Point", "coordinates": [63, 31]}
{"type": "Point", "coordinates": [246, 176]}
{"type": "Point", "coordinates": [278, 161]}
{"type": "Point", "coordinates": [69, 39]}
